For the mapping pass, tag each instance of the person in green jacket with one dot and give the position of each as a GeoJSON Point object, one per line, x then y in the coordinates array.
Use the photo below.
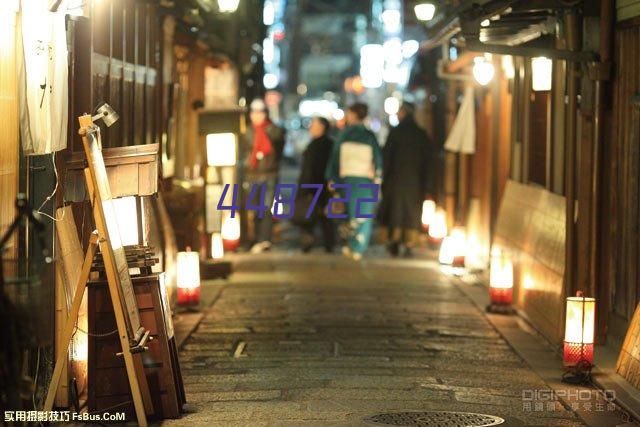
{"type": "Point", "coordinates": [355, 171]}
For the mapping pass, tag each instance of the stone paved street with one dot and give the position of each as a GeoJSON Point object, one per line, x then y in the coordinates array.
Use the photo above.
{"type": "Point", "coordinates": [320, 340]}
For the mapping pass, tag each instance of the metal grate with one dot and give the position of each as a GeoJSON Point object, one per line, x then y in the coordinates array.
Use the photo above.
{"type": "Point", "coordinates": [435, 419]}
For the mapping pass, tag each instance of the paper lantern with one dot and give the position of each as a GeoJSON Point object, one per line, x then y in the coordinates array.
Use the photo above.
{"type": "Point", "coordinates": [126, 211]}
{"type": "Point", "coordinates": [217, 247]}
{"type": "Point", "coordinates": [188, 278]}
{"type": "Point", "coordinates": [424, 11]}
{"type": "Point", "coordinates": [438, 227]}
{"type": "Point", "coordinates": [228, 6]}
{"type": "Point", "coordinates": [230, 233]}
{"type": "Point", "coordinates": [221, 149]}
{"type": "Point", "coordinates": [428, 213]}
{"type": "Point", "coordinates": [452, 250]}
{"type": "Point", "coordinates": [541, 68]}
{"type": "Point", "coordinates": [500, 278]}
{"type": "Point", "coordinates": [579, 331]}
{"type": "Point", "coordinates": [483, 70]}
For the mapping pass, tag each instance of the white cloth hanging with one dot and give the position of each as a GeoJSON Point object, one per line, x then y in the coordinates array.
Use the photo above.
{"type": "Point", "coordinates": [43, 74]}
{"type": "Point", "coordinates": [462, 137]}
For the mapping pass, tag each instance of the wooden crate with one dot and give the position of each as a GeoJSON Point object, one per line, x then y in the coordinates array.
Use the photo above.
{"type": "Point", "coordinates": [108, 384]}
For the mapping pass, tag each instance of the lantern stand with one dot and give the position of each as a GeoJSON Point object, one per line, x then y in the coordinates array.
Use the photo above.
{"type": "Point", "coordinates": [580, 371]}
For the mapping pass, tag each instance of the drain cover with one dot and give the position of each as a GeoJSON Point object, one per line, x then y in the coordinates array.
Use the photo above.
{"type": "Point", "coordinates": [435, 419]}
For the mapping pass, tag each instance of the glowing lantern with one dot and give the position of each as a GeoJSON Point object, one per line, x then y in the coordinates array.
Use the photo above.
{"type": "Point", "coordinates": [221, 149]}
{"type": "Point", "coordinates": [424, 11]}
{"type": "Point", "coordinates": [217, 247]}
{"type": "Point", "coordinates": [228, 6]}
{"type": "Point", "coordinates": [452, 250]}
{"type": "Point", "coordinates": [438, 227]}
{"type": "Point", "coordinates": [126, 211]}
{"type": "Point", "coordinates": [483, 70]}
{"type": "Point", "coordinates": [541, 68]}
{"type": "Point", "coordinates": [188, 278]}
{"type": "Point", "coordinates": [579, 331]}
{"type": "Point", "coordinates": [428, 213]}
{"type": "Point", "coordinates": [230, 233]}
{"type": "Point", "coordinates": [500, 278]}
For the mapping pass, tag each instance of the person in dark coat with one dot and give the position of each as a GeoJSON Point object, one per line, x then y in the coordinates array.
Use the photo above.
{"type": "Point", "coordinates": [264, 143]}
{"type": "Point", "coordinates": [314, 164]}
{"type": "Point", "coordinates": [408, 180]}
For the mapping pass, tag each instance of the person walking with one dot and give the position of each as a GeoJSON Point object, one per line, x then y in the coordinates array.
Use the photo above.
{"type": "Point", "coordinates": [314, 165]}
{"type": "Point", "coordinates": [264, 145]}
{"type": "Point", "coordinates": [355, 168]}
{"type": "Point", "coordinates": [408, 180]}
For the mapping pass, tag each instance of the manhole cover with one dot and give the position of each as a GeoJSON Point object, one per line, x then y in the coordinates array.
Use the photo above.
{"type": "Point", "coordinates": [435, 419]}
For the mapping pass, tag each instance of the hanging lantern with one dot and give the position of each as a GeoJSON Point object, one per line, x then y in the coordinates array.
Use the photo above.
{"type": "Point", "coordinates": [217, 247]}
{"type": "Point", "coordinates": [483, 69]}
{"type": "Point", "coordinates": [438, 227]}
{"type": "Point", "coordinates": [541, 73]}
{"type": "Point", "coordinates": [428, 213]}
{"type": "Point", "coordinates": [188, 278]}
{"type": "Point", "coordinates": [500, 278]}
{"type": "Point", "coordinates": [579, 331]}
{"type": "Point", "coordinates": [221, 149]}
{"type": "Point", "coordinates": [230, 233]}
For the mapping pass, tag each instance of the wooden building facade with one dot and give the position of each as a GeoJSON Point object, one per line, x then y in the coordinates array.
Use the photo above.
{"type": "Point", "coordinates": [554, 177]}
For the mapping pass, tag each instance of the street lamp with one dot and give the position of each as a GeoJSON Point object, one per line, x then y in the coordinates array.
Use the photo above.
{"type": "Point", "coordinates": [425, 11]}
{"type": "Point", "coordinates": [579, 333]}
{"type": "Point", "coordinates": [228, 6]}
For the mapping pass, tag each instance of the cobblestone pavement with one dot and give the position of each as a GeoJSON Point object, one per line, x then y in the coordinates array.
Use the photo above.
{"type": "Point", "coordinates": [321, 340]}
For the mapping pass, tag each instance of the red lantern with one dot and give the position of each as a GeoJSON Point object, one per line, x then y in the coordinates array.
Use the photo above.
{"type": "Point", "coordinates": [579, 331]}
{"type": "Point", "coordinates": [500, 278]}
{"type": "Point", "coordinates": [188, 280]}
{"type": "Point", "coordinates": [230, 233]}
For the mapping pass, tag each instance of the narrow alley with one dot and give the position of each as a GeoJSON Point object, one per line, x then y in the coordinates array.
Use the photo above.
{"type": "Point", "coordinates": [320, 340]}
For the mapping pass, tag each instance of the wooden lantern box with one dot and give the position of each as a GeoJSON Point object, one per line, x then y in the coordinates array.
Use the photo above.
{"type": "Point", "coordinates": [107, 379]}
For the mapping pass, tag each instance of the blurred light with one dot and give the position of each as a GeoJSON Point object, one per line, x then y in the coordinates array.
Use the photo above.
{"type": "Point", "coordinates": [428, 213]}
{"type": "Point", "coordinates": [230, 232]}
{"type": "Point", "coordinates": [317, 107]}
{"type": "Point", "coordinates": [485, 23]}
{"type": "Point", "coordinates": [453, 53]}
{"type": "Point", "coordinates": [391, 105]}
{"type": "Point", "coordinates": [126, 211]}
{"type": "Point", "coordinates": [541, 73]}
{"type": "Point", "coordinates": [228, 6]}
{"type": "Point", "coordinates": [424, 11]}
{"type": "Point", "coordinates": [483, 70]}
{"type": "Point", "coordinates": [268, 51]}
{"type": "Point", "coordinates": [394, 120]}
{"type": "Point", "coordinates": [302, 89]}
{"type": "Point", "coordinates": [507, 66]}
{"type": "Point", "coordinates": [391, 21]}
{"type": "Point", "coordinates": [268, 13]}
{"type": "Point", "coordinates": [438, 227]}
{"type": "Point", "coordinates": [393, 51]}
{"type": "Point", "coordinates": [338, 115]}
{"type": "Point", "coordinates": [279, 211]}
{"type": "Point", "coordinates": [217, 250]}
{"type": "Point", "coordinates": [188, 280]}
{"type": "Point", "coordinates": [410, 48]}
{"type": "Point", "coordinates": [270, 81]}
{"type": "Point", "coordinates": [579, 331]}
{"type": "Point", "coordinates": [221, 149]}
{"type": "Point", "coordinates": [371, 65]}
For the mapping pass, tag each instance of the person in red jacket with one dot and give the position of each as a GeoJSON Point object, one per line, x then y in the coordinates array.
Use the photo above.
{"type": "Point", "coordinates": [264, 143]}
